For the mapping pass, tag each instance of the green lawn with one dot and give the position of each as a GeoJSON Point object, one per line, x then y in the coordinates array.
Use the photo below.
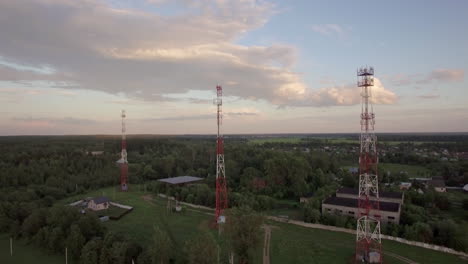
{"type": "Point", "coordinates": [149, 214]}
{"type": "Point", "coordinates": [456, 211]}
{"type": "Point", "coordinates": [295, 244]}
{"type": "Point", "coordinates": [25, 254]}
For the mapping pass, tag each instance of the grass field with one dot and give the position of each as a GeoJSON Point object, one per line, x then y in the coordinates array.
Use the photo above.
{"type": "Point", "coordinates": [300, 245]}
{"type": "Point", "coordinates": [413, 170]}
{"type": "Point", "coordinates": [289, 243]}
{"type": "Point", "coordinates": [456, 210]}
{"type": "Point", "coordinates": [149, 214]}
{"type": "Point", "coordinates": [25, 254]}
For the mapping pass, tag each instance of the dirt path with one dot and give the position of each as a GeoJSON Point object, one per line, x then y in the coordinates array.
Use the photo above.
{"type": "Point", "coordinates": [266, 244]}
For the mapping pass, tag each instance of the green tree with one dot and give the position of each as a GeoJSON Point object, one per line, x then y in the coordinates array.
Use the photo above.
{"type": "Point", "coordinates": [91, 251]}
{"type": "Point", "coordinates": [243, 232]}
{"type": "Point", "coordinates": [311, 215]}
{"type": "Point", "coordinates": [202, 249]}
{"type": "Point", "coordinates": [75, 241]}
{"type": "Point", "coordinates": [160, 253]}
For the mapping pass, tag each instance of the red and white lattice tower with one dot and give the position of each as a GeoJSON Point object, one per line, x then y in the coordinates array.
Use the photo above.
{"type": "Point", "coordinates": [221, 189]}
{"type": "Point", "coordinates": [368, 240]}
{"type": "Point", "coordinates": [123, 163]}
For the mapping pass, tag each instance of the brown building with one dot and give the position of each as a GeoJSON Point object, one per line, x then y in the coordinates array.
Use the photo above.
{"type": "Point", "coordinates": [346, 203]}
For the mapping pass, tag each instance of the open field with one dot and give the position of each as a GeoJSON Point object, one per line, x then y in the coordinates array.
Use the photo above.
{"type": "Point", "coordinates": [412, 170]}
{"type": "Point", "coordinates": [150, 213]}
{"type": "Point", "coordinates": [295, 244]}
{"type": "Point", "coordinates": [25, 254]}
{"type": "Point", "coordinates": [275, 140]}
{"type": "Point", "coordinates": [456, 211]}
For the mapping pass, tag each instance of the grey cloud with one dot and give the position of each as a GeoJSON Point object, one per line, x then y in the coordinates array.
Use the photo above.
{"type": "Point", "coordinates": [199, 117]}
{"type": "Point", "coordinates": [429, 96]}
{"type": "Point", "coordinates": [438, 75]}
{"type": "Point", "coordinates": [57, 121]}
{"type": "Point", "coordinates": [452, 75]}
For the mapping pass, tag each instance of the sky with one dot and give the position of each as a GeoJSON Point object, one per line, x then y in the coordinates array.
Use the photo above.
{"type": "Point", "coordinates": [286, 66]}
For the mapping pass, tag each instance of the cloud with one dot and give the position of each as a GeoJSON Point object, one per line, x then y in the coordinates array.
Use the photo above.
{"type": "Point", "coordinates": [438, 75]}
{"type": "Point", "coordinates": [429, 96]}
{"type": "Point", "coordinates": [144, 55]}
{"type": "Point", "coordinates": [45, 121]}
{"type": "Point", "coordinates": [343, 95]}
{"type": "Point", "coordinates": [237, 113]}
{"type": "Point", "coordinates": [450, 75]}
{"type": "Point", "coordinates": [328, 29]}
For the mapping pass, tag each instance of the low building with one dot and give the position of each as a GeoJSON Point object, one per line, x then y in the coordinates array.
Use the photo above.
{"type": "Point", "coordinates": [388, 213]}
{"type": "Point", "coordinates": [345, 202]}
{"type": "Point", "coordinates": [391, 197]}
{"type": "Point", "coordinates": [99, 203]}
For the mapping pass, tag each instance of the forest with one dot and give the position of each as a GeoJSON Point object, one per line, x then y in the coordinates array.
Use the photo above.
{"type": "Point", "coordinates": [39, 171]}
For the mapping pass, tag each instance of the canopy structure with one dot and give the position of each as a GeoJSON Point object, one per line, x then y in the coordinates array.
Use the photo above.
{"type": "Point", "coordinates": [181, 180]}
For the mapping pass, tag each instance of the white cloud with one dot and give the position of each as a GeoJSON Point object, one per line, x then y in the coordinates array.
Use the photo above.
{"type": "Point", "coordinates": [341, 95]}
{"type": "Point", "coordinates": [329, 29]}
{"type": "Point", "coordinates": [145, 55]}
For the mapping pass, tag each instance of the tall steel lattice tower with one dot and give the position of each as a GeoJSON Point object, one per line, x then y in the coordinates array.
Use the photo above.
{"type": "Point", "coordinates": [221, 189]}
{"type": "Point", "coordinates": [368, 240]}
{"type": "Point", "coordinates": [123, 163]}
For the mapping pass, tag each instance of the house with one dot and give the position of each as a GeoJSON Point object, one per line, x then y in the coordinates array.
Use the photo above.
{"type": "Point", "coordinates": [405, 185]}
{"type": "Point", "coordinates": [353, 170]}
{"type": "Point", "coordinates": [438, 184]}
{"type": "Point", "coordinates": [99, 203]}
{"type": "Point", "coordinates": [96, 153]}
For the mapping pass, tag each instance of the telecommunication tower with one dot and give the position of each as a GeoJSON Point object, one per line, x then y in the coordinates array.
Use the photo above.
{"type": "Point", "coordinates": [368, 240]}
{"type": "Point", "coordinates": [221, 189]}
{"type": "Point", "coordinates": [123, 163]}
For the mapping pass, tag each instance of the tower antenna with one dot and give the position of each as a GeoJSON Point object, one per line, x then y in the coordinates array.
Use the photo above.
{"type": "Point", "coordinates": [368, 240]}
{"type": "Point", "coordinates": [221, 189]}
{"type": "Point", "coordinates": [123, 157]}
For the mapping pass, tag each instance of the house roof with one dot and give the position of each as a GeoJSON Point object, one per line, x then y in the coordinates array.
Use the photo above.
{"type": "Point", "coordinates": [100, 200]}
{"type": "Point", "coordinates": [350, 202]}
{"type": "Point", "coordinates": [437, 183]}
{"type": "Point", "coordinates": [394, 195]}
{"type": "Point", "coordinates": [180, 179]}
